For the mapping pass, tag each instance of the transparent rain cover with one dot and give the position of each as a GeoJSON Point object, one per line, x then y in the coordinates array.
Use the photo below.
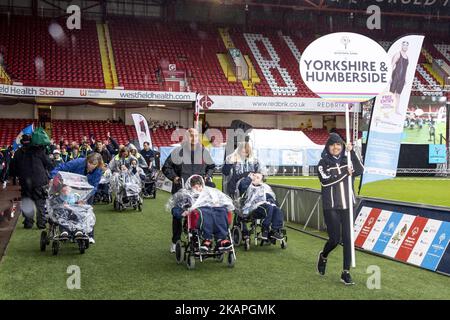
{"type": "Point", "coordinates": [190, 199]}
{"type": "Point", "coordinates": [255, 196]}
{"type": "Point", "coordinates": [126, 182]}
{"type": "Point", "coordinates": [67, 202]}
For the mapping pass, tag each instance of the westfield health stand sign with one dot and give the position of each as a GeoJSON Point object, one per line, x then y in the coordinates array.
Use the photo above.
{"type": "Point", "coordinates": [346, 67]}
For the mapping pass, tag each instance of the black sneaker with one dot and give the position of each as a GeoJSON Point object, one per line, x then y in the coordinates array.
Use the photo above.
{"type": "Point", "coordinates": [41, 226]}
{"type": "Point", "coordinates": [277, 235]}
{"type": "Point", "coordinates": [321, 264]}
{"type": "Point", "coordinates": [265, 234]}
{"type": "Point", "coordinates": [28, 224]}
{"type": "Point", "coordinates": [346, 278]}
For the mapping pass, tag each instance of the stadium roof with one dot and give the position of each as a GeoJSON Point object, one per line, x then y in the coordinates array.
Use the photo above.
{"type": "Point", "coordinates": [437, 9]}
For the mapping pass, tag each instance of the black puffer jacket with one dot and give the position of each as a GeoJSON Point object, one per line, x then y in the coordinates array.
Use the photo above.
{"type": "Point", "coordinates": [333, 173]}
{"type": "Point", "coordinates": [177, 165]}
{"type": "Point", "coordinates": [31, 166]}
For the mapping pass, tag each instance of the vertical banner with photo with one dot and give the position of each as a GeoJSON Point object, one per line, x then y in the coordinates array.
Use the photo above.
{"type": "Point", "coordinates": [142, 131]}
{"type": "Point", "coordinates": [386, 128]}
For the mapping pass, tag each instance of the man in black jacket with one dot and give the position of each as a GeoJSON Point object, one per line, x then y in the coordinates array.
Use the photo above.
{"type": "Point", "coordinates": [188, 159]}
{"type": "Point", "coordinates": [32, 165]}
{"type": "Point", "coordinates": [334, 171]}
{"type": "Point", "coordinates": [102, 149]}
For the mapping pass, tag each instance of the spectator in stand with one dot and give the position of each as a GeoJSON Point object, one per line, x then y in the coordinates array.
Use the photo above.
{"type": "Point", "coordinates": [309, 124]}
{"type": "Point", "coordinates": [302, 126]}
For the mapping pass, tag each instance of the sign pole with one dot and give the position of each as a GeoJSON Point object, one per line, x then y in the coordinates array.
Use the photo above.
{"type": "Point", "coordinates": [350, 185]}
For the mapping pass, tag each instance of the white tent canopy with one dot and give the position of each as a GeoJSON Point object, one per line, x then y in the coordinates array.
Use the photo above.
{"type": "Point", "coordinates": [275, 148]}
{"type": "Point", "coordinates": [281, 139]}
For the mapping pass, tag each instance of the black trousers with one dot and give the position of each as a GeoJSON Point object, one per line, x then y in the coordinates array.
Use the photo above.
{"type": "Point", "coordinates": [177, 229]}
{"type": "Point", "coordinates": [38, 195]}
{"type": "Point", "coordinates": [338, 228]}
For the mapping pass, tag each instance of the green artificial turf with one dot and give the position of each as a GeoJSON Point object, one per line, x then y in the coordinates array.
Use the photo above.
{"type": "Point", "coordinates": [422, 136]}
{"type": "Point", "coordinates": [432, 191]}
{"type": "Point", "coordinates": [131, 260]}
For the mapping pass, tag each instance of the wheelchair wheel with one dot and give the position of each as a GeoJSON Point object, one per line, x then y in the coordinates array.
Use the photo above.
{"type": "Point", "coordinates": [81, 246]}
{"type": "Point", "coordinates": [283, 244]}
{"type": "Point", "coordinates": [55, 247]}
{"type": "Point", "coordinates": [140, 207]}
{"type": "Point", "coordinates": [231, 260]}
{"type": "Point", "coordinates": [237, 236]}
{"type": "Point", "coordinates": [219, 258]}
{"type": "Point", "coordinates": [247, 244]}
{"type": "Point", "coordinates": [86, 243]}
{"type": "Point", "coordinates": [179, 252]}
{"type": "Point", "coordinates": [44, 240]}
{"type": "Point", "coordinates": [190, 262]}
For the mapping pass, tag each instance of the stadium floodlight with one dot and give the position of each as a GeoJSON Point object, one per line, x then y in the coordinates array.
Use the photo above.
{"type": "Point", "coordinates": [156, 105]}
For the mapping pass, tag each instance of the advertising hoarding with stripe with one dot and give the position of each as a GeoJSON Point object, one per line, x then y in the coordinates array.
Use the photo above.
{"type": "Point", "coordinates": [411, 238]}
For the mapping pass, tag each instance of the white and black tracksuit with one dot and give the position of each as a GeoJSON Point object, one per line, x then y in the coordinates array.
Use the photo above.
{"type": "Point", "coordinates": [333, 175]}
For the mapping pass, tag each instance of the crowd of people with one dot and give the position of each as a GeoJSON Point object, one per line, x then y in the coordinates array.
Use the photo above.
{"type": "Point", "coordinates": [190, 168]}
{"type": "Point", "coordinates": [35, 165]}
{"type": "Point", "coordinates": [154, 125]}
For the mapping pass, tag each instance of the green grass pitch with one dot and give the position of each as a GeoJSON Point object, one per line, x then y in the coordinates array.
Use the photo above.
{"type": "Point", "coordinates": [131, 260]}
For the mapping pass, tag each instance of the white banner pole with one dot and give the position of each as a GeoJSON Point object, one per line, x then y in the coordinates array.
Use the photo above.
{"type": "Point", "coordinates": [350, 185]}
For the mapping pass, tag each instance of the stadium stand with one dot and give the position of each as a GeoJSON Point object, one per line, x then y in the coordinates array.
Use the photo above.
{"type": "Point", "coordinates": [38, 52]}
{"type": "Point", "coordinates": [192, 48]}
{"type": "Point", "coordinates": [73, 130]}
{"type": "Point", "coordinates": [35, 51]}
{"type": "Point", "coordinates": [9, 128]}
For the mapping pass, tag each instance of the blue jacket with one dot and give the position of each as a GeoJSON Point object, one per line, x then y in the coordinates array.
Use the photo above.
{"type": "Point", "coordinates": [79, 166]}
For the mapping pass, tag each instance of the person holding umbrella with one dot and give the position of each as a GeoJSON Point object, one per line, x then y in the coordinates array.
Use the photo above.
{"type": "Point", "coordinates": [333, 175]}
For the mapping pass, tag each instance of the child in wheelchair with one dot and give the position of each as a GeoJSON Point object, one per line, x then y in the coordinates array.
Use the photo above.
{"type": "Point", "coordinates": [258, 201]}
{"type": "Point", "coordinates": [210, 210]}
{"type": "Point", "coordinates": [69, 215]}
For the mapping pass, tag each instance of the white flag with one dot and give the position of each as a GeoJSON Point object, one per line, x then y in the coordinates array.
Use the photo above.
{"type": "Point", "coordinates": [142, 131]}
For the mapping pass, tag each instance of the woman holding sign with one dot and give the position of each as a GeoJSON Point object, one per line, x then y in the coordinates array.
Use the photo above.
{"type": "Point", "coordinates": [333, 174]}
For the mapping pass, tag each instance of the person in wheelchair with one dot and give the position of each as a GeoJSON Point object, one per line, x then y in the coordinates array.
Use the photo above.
{"type": "Point", "coordinates": [259, 200]}
{"type": "Point", "coordinates": [211, 205]}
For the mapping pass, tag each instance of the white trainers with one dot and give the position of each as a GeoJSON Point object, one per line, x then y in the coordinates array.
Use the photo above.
{"type": "Point", "coordinates": [91, 240]}
{"type": "Point", "coordinates": [172, 248]}
{"type": "Point", "coordinates": [4, 185]}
